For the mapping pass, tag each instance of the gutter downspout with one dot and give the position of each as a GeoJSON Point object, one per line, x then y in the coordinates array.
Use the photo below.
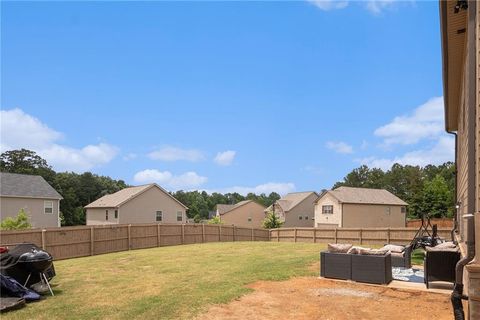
{"type": "Point", "coordinates": [457, 203]}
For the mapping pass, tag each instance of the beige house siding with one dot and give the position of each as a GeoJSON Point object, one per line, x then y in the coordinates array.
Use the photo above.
{"type": "Point", "coordinates": [372, 216]}
{"type": "Point", "coordinates": [239, 216]}
{"type": "Point", "coordinates": [96, 216]}
{"type": "Point", "coordinates": [34, 207]}
{"type": "Point", "coordinates": [305, 209]}
{"type": "Point", "coordinates": [140, 209]}
{"type": "Point", "coordinates": [328, 220]}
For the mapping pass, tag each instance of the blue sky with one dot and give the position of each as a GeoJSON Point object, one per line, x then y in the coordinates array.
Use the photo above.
{"type": "Point", "coordinates": [224, 96]}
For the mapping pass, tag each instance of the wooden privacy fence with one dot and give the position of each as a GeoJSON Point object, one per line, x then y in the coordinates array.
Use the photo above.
{"type": "Point", "coordinates": [378, 236]}
{"type": "Point", "coordinates": [72, 242]}
{"type": "Point", "coordinates": [440, 222]}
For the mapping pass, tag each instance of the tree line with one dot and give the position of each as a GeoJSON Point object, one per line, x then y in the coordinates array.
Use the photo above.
{"type": "Point", "coordinates": [427, 190]}
{"type": "Point", "coordinates": [78, 190]}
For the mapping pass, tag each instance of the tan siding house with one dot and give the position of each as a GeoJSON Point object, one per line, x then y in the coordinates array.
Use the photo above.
{"type": "Point", "coordinates": [40, 200]}
{"type": "Point", "coordinates": [143, 204]}
{"type": "Point", "coordinates": [246, 213]}
{"type": "Point", "coordinates": [347, 207]}
{"type": "Point", "coordinates": [460, 28]}
{"type": "Point", "coordinates": [296, 209]}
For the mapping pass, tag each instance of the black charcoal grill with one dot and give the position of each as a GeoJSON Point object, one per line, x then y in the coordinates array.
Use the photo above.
{"type": "Point", "coordinates": [37, 262]}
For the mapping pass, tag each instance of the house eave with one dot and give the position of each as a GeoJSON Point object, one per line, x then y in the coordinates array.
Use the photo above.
{"type": "Point", "coordinates": [452, 28]}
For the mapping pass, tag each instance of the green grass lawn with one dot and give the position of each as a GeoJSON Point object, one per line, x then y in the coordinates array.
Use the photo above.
{"type": "Point", "coordinates": [417, 256]}
{"type": "Point", "coordinates": [166, 282]}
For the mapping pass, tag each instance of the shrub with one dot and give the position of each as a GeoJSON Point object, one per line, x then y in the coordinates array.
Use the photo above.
{"type": "Point", "coordinates": [215, 220]}
{"type": "Point", "coordinates": [16, 223]}
{"type": "Point", "coordinates": [272, 221]}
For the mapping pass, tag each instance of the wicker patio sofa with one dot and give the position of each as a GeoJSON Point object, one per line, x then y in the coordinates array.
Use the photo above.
{"type": "Point", "coordinates": [404, 260]}
{"type": "Point", "coordinates": [362, 268]}
{"type": "Point", "coordinates": [336, 265]}
{"type": "Point", "coordinates": [440, 266]}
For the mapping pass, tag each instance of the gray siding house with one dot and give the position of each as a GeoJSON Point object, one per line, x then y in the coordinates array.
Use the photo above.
{"type": "Point", "coordinates": [33, 194]}
{"type": "Point", "coordinates": [142, 204]}
{"type": "Point", "coordinates": [347, 207]}
{"type": "Point", "coordinates": [296, 209]}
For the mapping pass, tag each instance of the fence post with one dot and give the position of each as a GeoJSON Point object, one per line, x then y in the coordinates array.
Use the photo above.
{"type": "Point", "coordinates": [335, 235]}
{"type": "Point", "coordinates": [278, 235]}
{"type": "Point", "coordinates": [159, 239]}
{"type": "Point", "coordinates": [360, 235]}
{"type": "Point", "coordinates": [253, 236]}
{"type": "Point", "coordinates": [314, 235]}
{"type": "Point", "coordinates": [203, 232]}
{"type": "Point", "coordinates": [92, 241]}
{"type": "Point", "coordinates": [388, 235]}
{"type": "Point", "coordinates": [129, 236]}
{"type": "Point", "coordinates": [219, 233]}
{"type": "Point", "coordinates": [234, 233]}
{"type": "Point", "coordinates": [183, 233]}
{"type": "Point", "coordinates": [294, 234]}
{"type": "Point", "coordinates": [44, 245]}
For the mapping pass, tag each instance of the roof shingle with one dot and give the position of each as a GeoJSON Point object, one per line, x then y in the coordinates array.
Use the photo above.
{"type": "Point", "coordinates": [224, 208]}
{"type": "Point", "coordinates": [366, 195]}
{"type": "Point", "coordinates": [25, 185]}
{"type": "Point", "coordinates": [116, 199]}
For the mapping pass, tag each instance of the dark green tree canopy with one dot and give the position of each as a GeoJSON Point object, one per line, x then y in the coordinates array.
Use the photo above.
{"type": "Point", "coordinates": [78, 190]}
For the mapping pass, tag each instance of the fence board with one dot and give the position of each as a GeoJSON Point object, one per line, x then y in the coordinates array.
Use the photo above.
{"type": "Point", "coordinates": [70, 242]}
{"type": "Point", "coordinates": [372, 236]}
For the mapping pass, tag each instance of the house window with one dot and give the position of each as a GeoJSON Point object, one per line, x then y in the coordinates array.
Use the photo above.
{"type": "Point", "coordinates": [306, 217]}
{"type": "Point", "coordinates": [179, 216]}
{"type": "Point", "coordinates": [328, 209]}
{"type": "Point", "coordinates": [403, 209]}
{"type": "Point", "coordinates": [116, 214]}
{"type": "Point", "coordinates": [48, 207]}
{"type": "Point", "coordinates": [158, 216]}
{"type": "Point", "coordinates": [249, 219]}
{"type": "Point", "coordinates": [387, 210]}
{"type": "Point", "coordinates": [106, 215]}
{"type": "Point", "coordinates": [300, 217]}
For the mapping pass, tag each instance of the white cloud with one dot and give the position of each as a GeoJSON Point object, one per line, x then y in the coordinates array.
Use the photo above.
{"type": "Point", "coordinates": [339, 147]}
{"type": "Point", "coordinates": [169, 153]}
{"type": "Point", "coordinates": [441, 152]}
{"type": "Point", "coordinates": [377, 6]}
{"type": "Point", "coordinates": [21, 130]}
{"type": "Point", "coordinates": [327, 5]}
{"type": "Point", "coordinates": [426, 121]}
{"type": "Point", "coordinates": [167, 179]}
{"type": "Point", "coordinates": [225, 158]}
{"type": "Point", "coordinates": [278, 187]}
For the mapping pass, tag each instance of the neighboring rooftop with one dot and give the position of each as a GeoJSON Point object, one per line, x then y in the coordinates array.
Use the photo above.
{"type": "Point", "coordinates": [291, 200]}
{"type": "Point", "coordinates": [118, 198]}
{"type": "Point", "coordinates": [224, 208]}
{"type": "Point", "coordinates": [26, 186]}
{"type": "Point", "coordinates": [366, 195]}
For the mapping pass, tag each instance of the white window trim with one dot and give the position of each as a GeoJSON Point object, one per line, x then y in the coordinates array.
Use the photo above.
{"type": "Point", "coordinates": [49, 207]}
{"type": "Point", "coordinates": [161, 212]}
{"type": "Point", "coordinates": [181, 215]}
{"type": "Point", "coordinates": [327, 205]}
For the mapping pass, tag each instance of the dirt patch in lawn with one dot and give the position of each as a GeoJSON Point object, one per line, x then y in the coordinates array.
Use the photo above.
{"type": "Point", "coordinates": [314, 298]}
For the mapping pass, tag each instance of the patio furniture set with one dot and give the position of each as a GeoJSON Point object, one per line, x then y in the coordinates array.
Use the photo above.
{"type": "Point", "coordinates": [347, 262]}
